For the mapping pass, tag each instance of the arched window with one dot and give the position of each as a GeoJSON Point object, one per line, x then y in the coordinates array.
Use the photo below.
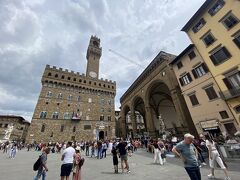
{"type": "Point", "coordinates": [43, 128]}
{"type": "Point", "coordinates": [55, 115]}
{"type": "Point", "coordinates": [60, 96]}
{"type": "Point", "coordinates": [67, 115]}
{"type": "Point", "coordinates": [74, 79]}
{"type": "Point", "coordinates": [70, 97]}
{"type": "Point", "coordinates": [109, 118]}
{"type": "Point", "coordinates": [102, 118]}
{"type": "Point", "coordinates": [62, 76]}
{"type": "Point", "coordinates": [49, 94]}
{"type": "Point", "coordinates": [56, 75]}
{"type": "Point", "coordinates": [79, 98]}
{"type": "Point", "coordinates": [69, 78]}
{"type": "Point", "coordinates": [49, 74]}
{"type": "Point", "coordinates": [109, 102]}
{"type": "Point", "coordinates": [43, 114]}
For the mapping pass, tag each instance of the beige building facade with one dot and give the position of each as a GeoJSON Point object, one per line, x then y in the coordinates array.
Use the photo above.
{"type": "Point", "coordinates": [74, 106]}
{"type": "Point", "coordinates": [156, 95]}
{"type": "Point", "coordinates": [13, 128]}
{"type": "Point", "coordinates": [215, 31]}
{"type": "Point", "coordinates": [210, 113]}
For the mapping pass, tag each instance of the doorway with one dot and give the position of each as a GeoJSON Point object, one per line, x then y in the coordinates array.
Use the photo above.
{"type": "Point", "coordinates": [101, 135]}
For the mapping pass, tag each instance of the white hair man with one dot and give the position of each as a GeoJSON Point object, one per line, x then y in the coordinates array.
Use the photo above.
{"type": "Point", "coordinates": [188, 153]}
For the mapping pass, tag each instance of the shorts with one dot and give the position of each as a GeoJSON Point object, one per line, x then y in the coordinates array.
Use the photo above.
{"type": "Point", "coordinates": [123, 157]}
{"type": "Point", "coordinates": [66, 169]}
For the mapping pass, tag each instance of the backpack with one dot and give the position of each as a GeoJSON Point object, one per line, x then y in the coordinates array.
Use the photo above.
{"type": "Point", "coordinates": [82, 160]}
{"type": "Point", "coordinates": [37, 164]}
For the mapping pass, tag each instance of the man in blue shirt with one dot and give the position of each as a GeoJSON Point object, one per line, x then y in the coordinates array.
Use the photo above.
{"type": "Point", "coordinates": [188, 153]}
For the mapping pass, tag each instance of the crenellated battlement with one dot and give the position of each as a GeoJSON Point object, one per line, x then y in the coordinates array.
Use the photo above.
{"type": "Point", "coordinates": [58, 73]}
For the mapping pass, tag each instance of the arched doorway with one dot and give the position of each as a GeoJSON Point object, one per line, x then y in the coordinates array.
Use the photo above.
{"type": "Point", "coordinates": [101, 135]}
{"type": "Point", "coordinates": [164, 113]}
{"type": "Point", "coordinates": [139, 114]}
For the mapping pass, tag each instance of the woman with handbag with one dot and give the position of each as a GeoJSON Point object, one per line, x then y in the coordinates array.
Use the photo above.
{"type": "Point", "coordinates": [214, 157]}
{"type": "Point", "coordinates": [77, 164]}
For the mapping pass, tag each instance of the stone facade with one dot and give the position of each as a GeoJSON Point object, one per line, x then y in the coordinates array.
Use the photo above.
{"type": "Point", "coordinates": [74, 106]}
{"type": "Point", "coordinates": [19, 124]}
{"type": "Point", "coordinates": [156, 95]}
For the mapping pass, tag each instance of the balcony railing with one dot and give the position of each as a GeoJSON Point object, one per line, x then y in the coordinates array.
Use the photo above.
{"type": "Point", "coordinates": [231, 93]}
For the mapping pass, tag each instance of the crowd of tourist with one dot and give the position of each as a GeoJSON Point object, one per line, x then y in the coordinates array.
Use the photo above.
{"type": "Point", "coordinates": [192, 151]}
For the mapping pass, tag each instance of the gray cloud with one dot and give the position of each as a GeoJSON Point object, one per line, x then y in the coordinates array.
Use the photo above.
{"type": "Point", "coordinates": [57, 32]}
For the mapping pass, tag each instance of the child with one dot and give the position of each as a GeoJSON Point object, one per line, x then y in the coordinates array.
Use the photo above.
{"type": "Point", "coordinates": [115, 158]}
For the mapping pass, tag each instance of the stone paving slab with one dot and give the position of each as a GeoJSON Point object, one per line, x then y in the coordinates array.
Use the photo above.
{"type": "Point", "coordinates": [141, 167]}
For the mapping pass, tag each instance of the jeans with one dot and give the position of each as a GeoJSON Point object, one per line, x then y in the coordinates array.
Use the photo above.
{"type": "Point", "coordinates": [200, 157]}
{"type": "Point", "coordinates": [193, 173]}
{"type": "Point", "coordinates": [103, 153]}
{"type": "Point", "coordinates": [87, 151]}
{"type": "Point", "coordinates": [41, 173]}
{"type": "Point", "coordinates": [99, 153]}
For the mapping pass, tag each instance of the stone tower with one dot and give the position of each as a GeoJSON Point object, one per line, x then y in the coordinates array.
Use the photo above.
{"type": "Point", "coordinates": [94, 53]}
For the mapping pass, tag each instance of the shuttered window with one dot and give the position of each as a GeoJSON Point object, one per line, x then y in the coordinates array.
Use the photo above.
{"type": "Point", "coordinates": [200, 71]}
{"type": "Point", "coordinates": [211, 93]}
{"type": "Point", "coordinates": [193, 99]}
{"type": "Point", "coordinates": [216, 7]}
{"type": "Point", "coordinates": [186, 79]}
{"type": "Point", "coordinates": [220, 56]}
{"type": "Point", "coordinates": [230, 21]}
{"type": "Point", "coordinates": [237, 41]}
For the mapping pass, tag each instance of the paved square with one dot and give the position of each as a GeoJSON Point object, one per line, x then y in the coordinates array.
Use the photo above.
{"type": "Point", "coordinates": [141, 167]}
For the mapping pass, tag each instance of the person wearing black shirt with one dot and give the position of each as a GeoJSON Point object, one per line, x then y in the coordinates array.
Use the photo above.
{"type": "Point", "coordinates": [122, 149]}
{"type": "Point", "coordinates": [115, 158]}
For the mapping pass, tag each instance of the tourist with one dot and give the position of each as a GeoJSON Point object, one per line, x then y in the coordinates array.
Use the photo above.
{"type": "Point", "coordinates": [163, 150]}
{"type": "Point", "coordinates": [87, 148]}
{"type": "Point", "coordinates": [104, 150]}
{"type": "Point", "coordinates": [188, 153]}
{"type": "Point", "coordinates": [157, 153]}
{"type": "Point", "coordinates": [67, 158]}
{"type": "Point", "coordinates": [92, 149]}
{"type": "Point", "coordinates": [122, 149]}
{"type": "Point", "coordinates": [43, 165]}
{"type": "Point", "coordinates": [115, 158]}
{"type": "Point", "coordinates": [13, 151]}
{"type": "Point", "coordinates": [197, 144]}
{"type": "Point", "coordinates": [99, 149]}
{"type": "Point", "coordinates": [76, 164]}
{"type": "Point", "coordinates": [214, 156]}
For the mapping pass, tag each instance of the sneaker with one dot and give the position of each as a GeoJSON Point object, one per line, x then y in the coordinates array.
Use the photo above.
{"type": "Point", "coordinates": [210, 176]}
{"type": "Point", "coordinates": [227, 178]}
{"type": "Point", "coordinates": [128, 171]}
{"type": "Point", "coordinates": [204, 164]}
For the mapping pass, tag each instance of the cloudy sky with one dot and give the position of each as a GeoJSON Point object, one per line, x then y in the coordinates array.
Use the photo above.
{"type": "Point", "coordinates": [34, 33]}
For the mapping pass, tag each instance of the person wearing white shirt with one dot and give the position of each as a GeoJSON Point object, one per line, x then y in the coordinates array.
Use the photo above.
{"type": "Point", "coordinates": [214, 156]}
{"type": "Point", "coordinates": [67, 159]}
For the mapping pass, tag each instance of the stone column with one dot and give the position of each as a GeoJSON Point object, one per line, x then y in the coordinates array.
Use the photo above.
{"type": "Point", "coordinates": [133, 121]}
{"type": "Point", "coordinates": [149, 121]}
{"type": "Point", "coordinates": [183, 113]}
{"type": "Point", "coordinates": [123, 125]}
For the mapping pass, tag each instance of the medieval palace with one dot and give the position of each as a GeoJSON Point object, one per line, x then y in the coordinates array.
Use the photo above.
{"type": "Point", "coordinates": [74, 106]}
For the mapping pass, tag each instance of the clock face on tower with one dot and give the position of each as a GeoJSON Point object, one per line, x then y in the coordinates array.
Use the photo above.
{"type": "Point", "coordinates": [92, 74]}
